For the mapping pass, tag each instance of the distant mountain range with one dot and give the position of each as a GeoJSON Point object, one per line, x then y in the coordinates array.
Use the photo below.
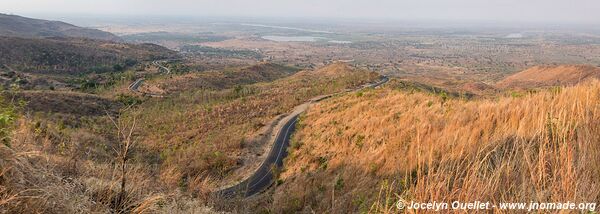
{"type": "Point", "coordinates": [18, 26]}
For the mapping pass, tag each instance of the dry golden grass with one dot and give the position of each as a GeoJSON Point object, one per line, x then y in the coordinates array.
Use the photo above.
{"type": "Point", "coordinates": [540, 147]}
{"type": "Point", "coordinates": [203, 133]}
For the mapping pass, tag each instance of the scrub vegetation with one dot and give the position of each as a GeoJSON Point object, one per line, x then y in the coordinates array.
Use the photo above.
{"type": "Point", "coordinates": [349, 152]}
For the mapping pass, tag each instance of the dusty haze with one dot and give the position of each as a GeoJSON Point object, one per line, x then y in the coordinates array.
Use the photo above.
{"type": "Point", "coordinates": [548, 11]}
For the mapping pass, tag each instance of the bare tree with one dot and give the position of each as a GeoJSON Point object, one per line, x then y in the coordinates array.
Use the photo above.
{"type": "Point", "coordinates": [123, 150]}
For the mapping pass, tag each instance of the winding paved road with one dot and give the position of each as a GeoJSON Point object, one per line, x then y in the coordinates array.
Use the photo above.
{"type": "Point", "coordinates": [137, 83]}
{"type": "Point", "coordinates": [263, 177]}
{"type": "Point", "coordinates": [161, 67]}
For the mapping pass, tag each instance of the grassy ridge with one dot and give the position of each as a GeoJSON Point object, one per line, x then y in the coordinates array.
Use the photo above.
{"type": "Point", "coordinates": [425, 147]}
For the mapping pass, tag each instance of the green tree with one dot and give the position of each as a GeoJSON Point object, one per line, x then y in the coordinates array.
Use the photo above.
{"type": "Point", "coordinates": [8, 116]}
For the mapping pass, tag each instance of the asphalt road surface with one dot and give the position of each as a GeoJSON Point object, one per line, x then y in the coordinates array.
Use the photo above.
{"type": "Point", "coordinates": [263, 177]}
{"type": "Point", "coordinates": [161, 67]}
{"type": "Point", "coordinates": [137, 83]}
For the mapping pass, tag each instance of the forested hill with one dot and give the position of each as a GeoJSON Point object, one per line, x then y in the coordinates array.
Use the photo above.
{"type": "Point", "coordinates": [18, 26]}
{"type": "Point", "coordinates": [74, 55]}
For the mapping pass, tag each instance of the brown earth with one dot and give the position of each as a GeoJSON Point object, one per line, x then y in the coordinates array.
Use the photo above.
{"type": "Point", "coordinates": [478, 87]}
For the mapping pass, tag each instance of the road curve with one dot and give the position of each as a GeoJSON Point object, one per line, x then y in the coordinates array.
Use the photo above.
{"type": "Point", "coordinates": [134, 86]}
{"type": "Point", "coordinates": [161, 67]}
{"type": "Point", "coordinates": [263, 177]}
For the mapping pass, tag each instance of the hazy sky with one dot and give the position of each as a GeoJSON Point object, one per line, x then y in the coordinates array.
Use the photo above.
{"type": "Point", "coordinates": [551, 11]}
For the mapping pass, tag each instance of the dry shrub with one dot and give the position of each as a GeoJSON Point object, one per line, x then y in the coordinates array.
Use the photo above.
{"type": "Point", "coordinates": [32, 183]}
{"type": "Point", "coordinates": [138, 196]}
{"type": "Point", "coordinates": [50, 181]}
{"type": "Point", "coordinates": [541, 147]}
{"type": "Point", "coordinates": [202, 186]}
{"type": "Point", "coordinates": [194, 162]}
{"type": "Point", "coordinates": [177, 203]}
{"type": "Point", "coordinates": [28, 186]}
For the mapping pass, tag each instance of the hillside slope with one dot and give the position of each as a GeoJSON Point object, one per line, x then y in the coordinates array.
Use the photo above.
{"type": "Point", "coordinates": [215, 131]}
{"type": "Point", "coordinates": [261, 72]}
{"type": "Point", "coordinates": [353, 153]}
{"type": "Point", "coordinates": [334, 69]}
{"type": "Point", "coordinates": [542, 76]}
{"type": "Point", "coordinates": [228, 78]}
{"type": "Point", "coordinates": [73, 55]}
{"type": "Point", "coordinates": [18, 26]}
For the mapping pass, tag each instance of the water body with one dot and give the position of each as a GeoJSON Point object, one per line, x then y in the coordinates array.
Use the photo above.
{"type": "Point", "coordinates": [340, 42]}
{"type": "Point", "coordinates": [514, 36]}
{"type": "Point", "coordinates": [303, 39]}
{"type": "Point", "coordinates": [294, 38]}
{"type": "Point", "coordinates": [286, 28]}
